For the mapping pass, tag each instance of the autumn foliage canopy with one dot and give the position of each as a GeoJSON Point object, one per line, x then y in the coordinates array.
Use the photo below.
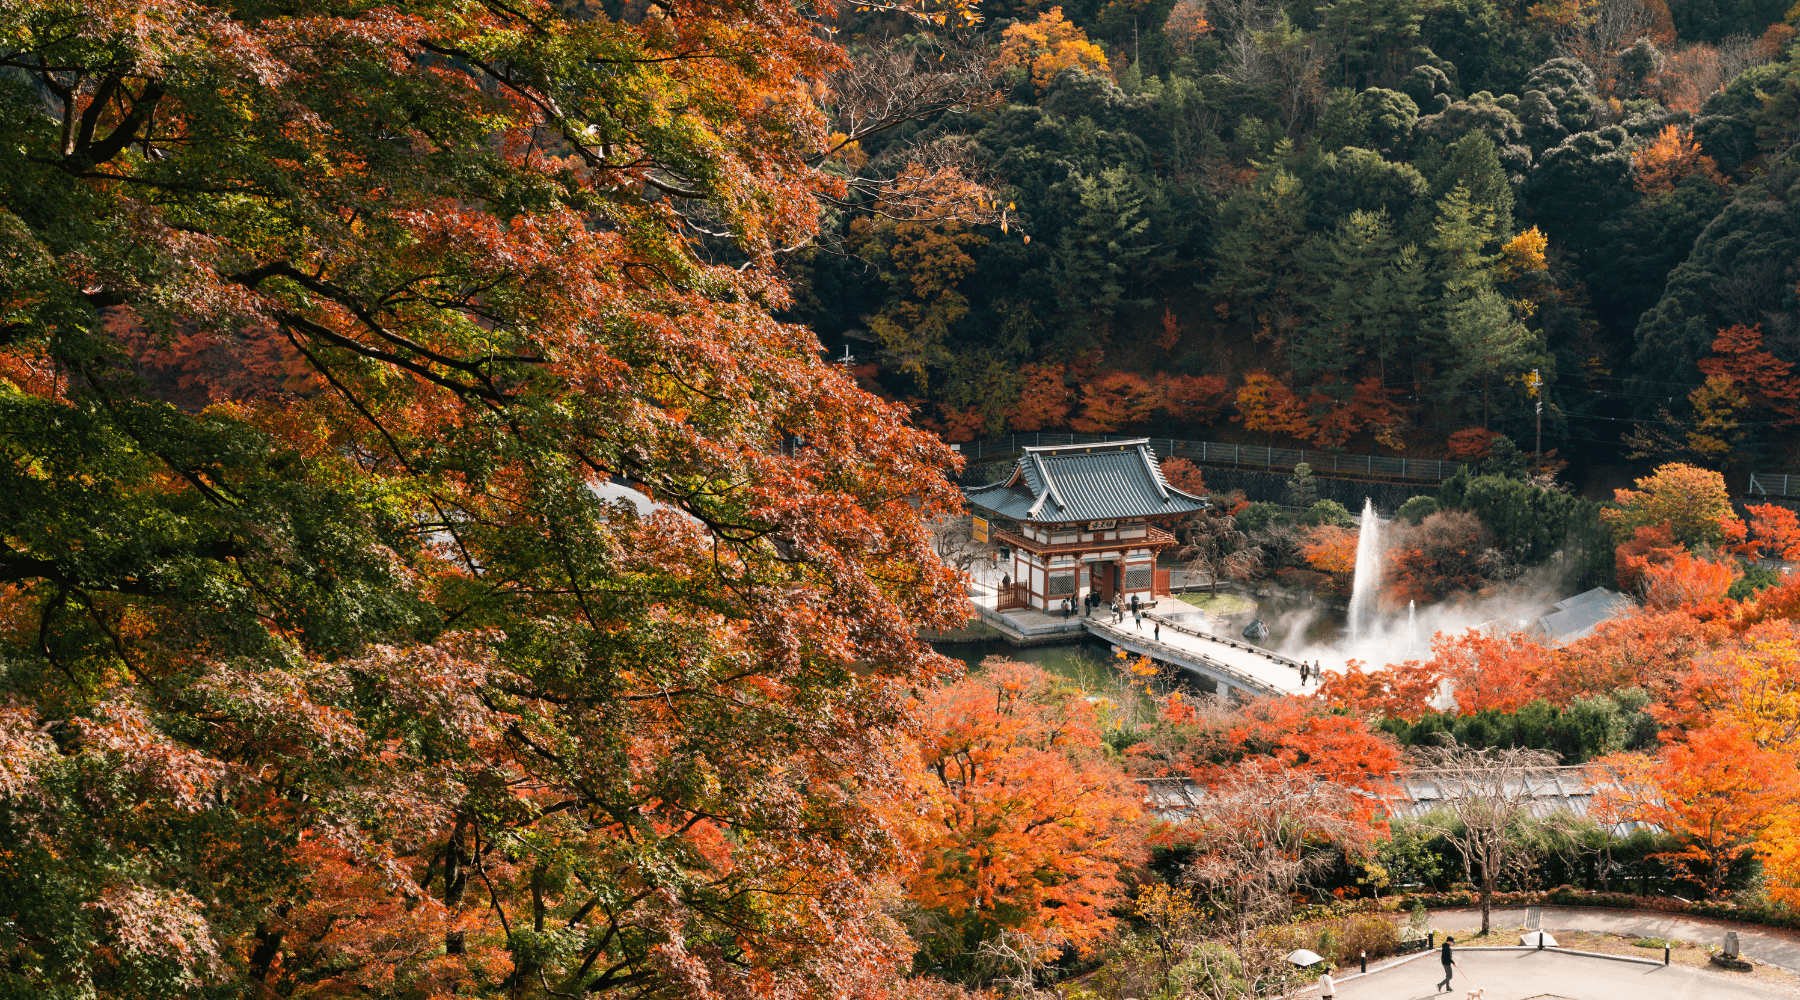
{"type": "Point", "coordinates": [340, 659]}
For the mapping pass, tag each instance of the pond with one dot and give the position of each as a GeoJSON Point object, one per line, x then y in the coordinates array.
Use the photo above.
{"type": "Point", "coordinates": [1088, 665]}
{"type": "Point", "coordinates": [1295, 625]}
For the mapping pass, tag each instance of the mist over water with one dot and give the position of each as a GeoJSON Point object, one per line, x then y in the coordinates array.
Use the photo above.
{"type": "Point", "coordinates": [1378, 631]}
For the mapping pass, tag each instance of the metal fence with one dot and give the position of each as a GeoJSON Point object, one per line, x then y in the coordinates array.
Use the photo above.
{"type": "Point", "coordinates": [1248, 455]}
{"type": "Point", "coordinates": [1774, 484]}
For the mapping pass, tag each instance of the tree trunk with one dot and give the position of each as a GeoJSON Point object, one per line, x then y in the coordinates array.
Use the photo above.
{"type": "Point", "coordinates": [268, 945]}
{"type": "Point", "coordinates": [456, 880]}
{"type": "Point", "coordinates": [1487, 897]}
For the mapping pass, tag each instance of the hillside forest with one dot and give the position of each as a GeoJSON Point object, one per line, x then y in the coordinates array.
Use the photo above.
{"type": "Point", "coordinates": [1359, 225]}
{"type": "Point", "coordinates": [440, 556]}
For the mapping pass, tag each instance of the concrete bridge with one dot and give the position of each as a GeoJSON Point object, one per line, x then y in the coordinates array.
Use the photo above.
{"type": "Point", "coordinates": [1236, 666]}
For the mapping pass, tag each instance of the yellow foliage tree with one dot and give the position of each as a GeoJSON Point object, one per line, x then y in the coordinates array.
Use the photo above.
{"type": "Point", "coordinates": [1716, 431]}
{"type": "Point", "coordinates": [1523, 254]}
{"type": "Point", "coordinates": [1047, 46]}
{"type": "Point", "coordinates": [1265, 404]}
{"type": "Point", "coordinates": [1672, 155]}
{"type": "Point", "coordinates": [1780, 850]}
{"type": "Point", "coordinates": [1692, 501]}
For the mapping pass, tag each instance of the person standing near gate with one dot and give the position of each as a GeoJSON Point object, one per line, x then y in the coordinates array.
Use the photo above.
{"type": "Point", "coordinates": [1134, 604]}
{"type": "Point", "coordinates": [1449, 964]}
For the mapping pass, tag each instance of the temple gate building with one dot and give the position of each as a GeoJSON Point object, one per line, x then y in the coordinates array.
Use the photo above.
{"type": "Point", "coordinates": [1089, 518]}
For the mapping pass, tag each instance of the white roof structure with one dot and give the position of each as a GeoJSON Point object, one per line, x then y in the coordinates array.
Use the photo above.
{"type": "Point", "coordinates": [1577, 617]}
{"type": "Point", "coordinates": [1562, 790]}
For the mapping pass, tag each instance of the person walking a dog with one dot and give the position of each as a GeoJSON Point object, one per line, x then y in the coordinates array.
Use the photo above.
{"type": "Point", "coordinates": [1449, 964]}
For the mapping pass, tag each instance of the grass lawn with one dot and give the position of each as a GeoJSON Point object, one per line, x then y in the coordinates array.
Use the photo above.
{"type": "Point", "coordinates": [975, 631]}
{"type": "Point", "coordinates": [1224, 604]}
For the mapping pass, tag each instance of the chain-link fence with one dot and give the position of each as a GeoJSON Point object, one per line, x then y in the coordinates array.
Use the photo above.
{"type": "Point", "coordinates": [1253, 456]}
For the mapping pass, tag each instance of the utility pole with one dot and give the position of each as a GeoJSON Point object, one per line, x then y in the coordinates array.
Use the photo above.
{"type": "Point", "coordinates": [1538, 452]}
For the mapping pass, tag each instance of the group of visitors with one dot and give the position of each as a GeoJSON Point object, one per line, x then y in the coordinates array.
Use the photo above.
{"type": "Point", "coordinates": [1117, 608]}
{"type": "Point", "coordinates": [1092, 600]}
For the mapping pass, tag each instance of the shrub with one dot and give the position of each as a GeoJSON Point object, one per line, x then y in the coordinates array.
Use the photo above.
{"type": "Point", "coordinates": [1260, 515]}
{"type": "Point", "coordinates": [1756, 577]}
{"type": "Point", "coordinates": [1378, 936]}
{"type": "Point", "coordinates": [1418, 509]}
{"type": "Point", "coordinates": [1328, 512]}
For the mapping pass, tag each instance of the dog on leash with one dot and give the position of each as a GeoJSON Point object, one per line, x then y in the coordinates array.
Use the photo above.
{"type": "Point", "coordinates": [1478, 994]}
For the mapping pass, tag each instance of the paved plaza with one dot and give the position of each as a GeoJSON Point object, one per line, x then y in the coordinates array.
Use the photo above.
{"type": "Point", "coordinates": [1780, 948]}
{"type": "Point", "coordinates": [1513, 974]}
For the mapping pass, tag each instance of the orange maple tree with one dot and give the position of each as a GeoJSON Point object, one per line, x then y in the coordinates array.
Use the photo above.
{"type": "Point", "coordinates": [1687, 581]}
{"type": "Point", "coordinates": [1370, 407]}
{"type": "Point", "coordinates": [1751, 682]}
{"type": "Point", "coordinates": [1648, 546]}
{"type": "Point", "coordinates": [1398, 691]}
{"type": "Point", "coordinates": [1256, 792]}
{"type": "Point", "coordinates": [1186, 23]}
{"type": "Point", "coordinates": [1767, 381]}
{"type": "Point", "coordinates": [1716, 791]}
{"type": "Point", "coordinates": [1044, 401]}
{"type": "Point", "coordinates": [1200, 398]}
{"type": "Point", "coordinates": [1171, 331]}
{"type": "Point", "coordinates": [1471, 444]}
{"type": "Point", "coordinates": [1646, 649]}
{"type": "Point", "coordinates": [1022, 824]}
{"type": "Point", "coordinates": [1779, 848]}
{"type": "Point", "coordinates": [1184, 475]}
{"type": "Point", "coordinates": [1491, 671]}
{"type": "Point", "coordinates": [1774, 533]}
{"type": "Point", "coordinates": [1330, 549]}
{"type": "Point", "coordinates": [1115, 400]}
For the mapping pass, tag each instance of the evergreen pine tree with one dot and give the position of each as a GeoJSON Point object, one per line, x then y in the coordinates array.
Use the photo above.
{"type": "Point", "coordinates": [1480, 337]}
{"type": "Point", "coordinates": [1255, 260]}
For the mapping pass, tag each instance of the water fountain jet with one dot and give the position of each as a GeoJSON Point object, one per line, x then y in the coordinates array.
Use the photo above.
{"type": "Point", "coordinates": [1367, 578]}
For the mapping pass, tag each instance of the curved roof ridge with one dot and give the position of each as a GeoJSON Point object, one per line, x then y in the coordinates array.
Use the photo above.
{"type": "Point", "coordinates": [1151, 466]}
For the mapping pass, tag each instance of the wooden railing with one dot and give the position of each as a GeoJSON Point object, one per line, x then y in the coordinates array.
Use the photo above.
{"type": "Point", "coordinates": [1153, 536]}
